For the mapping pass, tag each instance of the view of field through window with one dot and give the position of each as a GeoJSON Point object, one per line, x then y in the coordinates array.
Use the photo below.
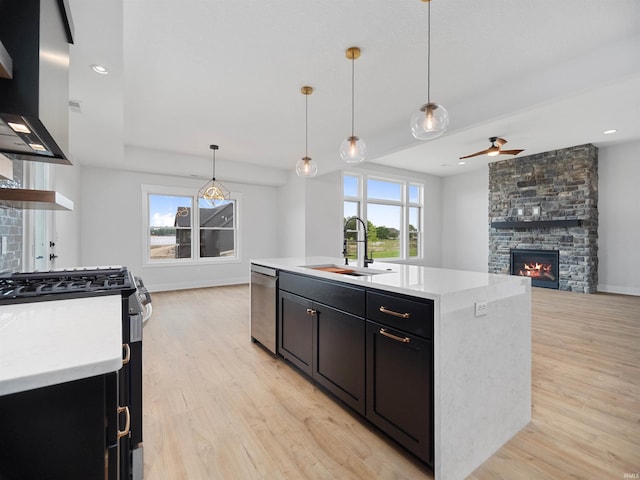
{"type": "Point", "coordinates": [393, 215]}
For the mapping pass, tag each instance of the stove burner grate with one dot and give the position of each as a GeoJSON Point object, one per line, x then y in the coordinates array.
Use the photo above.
{"type": "Point", "coordinates": [33, 284]}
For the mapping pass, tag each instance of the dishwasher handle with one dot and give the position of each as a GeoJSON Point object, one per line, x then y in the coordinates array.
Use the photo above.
{"type": "Point", "coordinates": [269, 272]}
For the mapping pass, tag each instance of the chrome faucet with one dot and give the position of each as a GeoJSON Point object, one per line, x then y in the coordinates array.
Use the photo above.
{"type": "Point", "coordinates": [366, 260]}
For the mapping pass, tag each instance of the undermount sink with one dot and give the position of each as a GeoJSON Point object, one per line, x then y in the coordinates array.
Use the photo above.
{"type": "Point", "coordinates": [347, 270]}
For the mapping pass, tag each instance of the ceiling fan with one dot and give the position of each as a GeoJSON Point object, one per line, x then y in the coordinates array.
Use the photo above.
{"type": "Point", "coordinates": [494, 149]}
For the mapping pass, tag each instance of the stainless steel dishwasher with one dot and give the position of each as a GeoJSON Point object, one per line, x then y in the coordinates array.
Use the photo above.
{"type": "Point", "coordinates": [264, 289]}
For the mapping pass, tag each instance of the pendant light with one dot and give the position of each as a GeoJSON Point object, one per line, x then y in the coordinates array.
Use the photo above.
{"type": "Point", "coordinates": [213, 192]}
{"type": "Point", "coordinates": [432, 119]}
{"type": "Point", "coordinates": [353, 149]}
{"type": "Point", "coordinates": [305, 167]}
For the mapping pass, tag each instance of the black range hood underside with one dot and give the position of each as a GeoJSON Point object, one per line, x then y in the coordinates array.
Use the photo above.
{"type": "Point", "coordinates": [34, 111]}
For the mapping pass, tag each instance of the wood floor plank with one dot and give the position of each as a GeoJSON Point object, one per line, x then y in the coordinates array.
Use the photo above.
{"type": "Point", "coordinates": [220, 407]}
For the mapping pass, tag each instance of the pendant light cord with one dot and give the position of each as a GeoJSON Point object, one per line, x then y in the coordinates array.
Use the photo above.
{"type": "Point", "coordinates": [306, 125]}
{"type": "Point", "coordinates": [353, 69]}
{"type": "Point", "coordinates": [213, 172]}
{"type": "Point", "coordinates": [429, 52]}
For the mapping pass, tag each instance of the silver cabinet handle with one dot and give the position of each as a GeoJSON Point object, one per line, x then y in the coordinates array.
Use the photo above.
{"type": "Point", "coordinates": [383, 331]}
{"type": "Point", "coordinates": [311, 311]}
{"type": "Point", "coordinates": [395, 314]}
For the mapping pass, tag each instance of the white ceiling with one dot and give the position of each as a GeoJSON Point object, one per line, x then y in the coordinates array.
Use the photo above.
{"type": "Point", "coordinates": [188, 73]}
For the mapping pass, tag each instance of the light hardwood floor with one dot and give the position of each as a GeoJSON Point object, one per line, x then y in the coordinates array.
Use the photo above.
{"type": "Point", "coordinates": [220, 407]}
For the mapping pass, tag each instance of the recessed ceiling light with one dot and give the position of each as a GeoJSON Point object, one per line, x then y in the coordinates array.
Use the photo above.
{"type": "Point", "coordinates": [102, 70]}
{"type": "Point", "coordinates": [462, 162]}
{"type": "Point", "coordinates": [609, 132]}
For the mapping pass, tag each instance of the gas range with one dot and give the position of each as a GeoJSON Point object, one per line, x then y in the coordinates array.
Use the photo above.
{"type": "Point", "coordinates": [68, 283]}
{"type": "Point", "coordinates": [71, 284]}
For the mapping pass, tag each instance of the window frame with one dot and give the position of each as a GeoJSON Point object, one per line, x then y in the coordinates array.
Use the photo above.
{"type": "Point", "coordinates": [363, 201]}
{"type": "Point", "coordinates": [195, 258]}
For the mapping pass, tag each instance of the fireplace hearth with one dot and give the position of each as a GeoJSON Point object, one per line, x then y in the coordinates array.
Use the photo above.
{"type": "Point", "coordinates": [542, 266]}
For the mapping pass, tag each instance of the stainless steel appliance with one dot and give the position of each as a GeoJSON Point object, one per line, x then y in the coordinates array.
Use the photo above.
{"type": "Point", "coordinates": [264, 288]}
{"type": "Point", "coordinates": [124, 457]}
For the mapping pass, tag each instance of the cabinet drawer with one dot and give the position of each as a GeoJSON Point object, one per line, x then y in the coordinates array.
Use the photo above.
{"type": "Point", "coordinates": [342, 297]}
{"type": "Point", "coordinates": [401, 313]}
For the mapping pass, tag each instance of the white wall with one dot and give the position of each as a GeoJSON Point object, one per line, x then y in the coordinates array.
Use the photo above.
{"type": "Point", "coordinates": [465, 230]}
{"type": "Point", "coordinates": [323, 215]}
{"type": "Point", "coordinates": [433, 221]}
{"type": "Point", "coordinates": [304, 217]}
{"type": "Point", "coordinates": [291, 227]}
{"type": "Point", "coordinates": [311, 219]}
{"type": "Point", "coordinates": [619, 219]}
{"type": "Point", "coordinates": [112, 228]}
{"type": "Point", "coordinates": [66, 225]}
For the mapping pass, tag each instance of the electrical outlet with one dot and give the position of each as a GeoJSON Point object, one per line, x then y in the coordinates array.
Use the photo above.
{"type": "Point", "coordinates": [481, 308]}
{"type": "Point", "coordinates": [536, 211]}
{"type": "Point", "coordinates": [520, 211]}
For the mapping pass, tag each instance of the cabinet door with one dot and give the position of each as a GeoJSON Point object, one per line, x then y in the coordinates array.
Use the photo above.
{"type": "Point", "coordinates": [400, 386]}
{"type": "Point", "coordinates": [57, 432]}
{"type": "Point", "coordinates": [296, 331]}
{"type": "Point", "coordinates": [339, 355]}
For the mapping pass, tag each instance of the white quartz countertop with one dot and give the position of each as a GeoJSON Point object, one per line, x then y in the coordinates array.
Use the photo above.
{"type": "Point", "coordinates": [51, 342]}
{"type": "Point", "coordinates": [412, 280]}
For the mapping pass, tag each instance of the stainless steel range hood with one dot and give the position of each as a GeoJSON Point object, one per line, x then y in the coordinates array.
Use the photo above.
{"type": "Point", "coordinates": [34, 113]}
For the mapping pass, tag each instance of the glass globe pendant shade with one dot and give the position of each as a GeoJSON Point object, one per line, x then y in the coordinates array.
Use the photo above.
{"type": "Point", "coordinates": [305, 167]}
{"type": "Point", "coordinates": [429, 122]}
{"type": "Point", "coordinates": [353, 150]}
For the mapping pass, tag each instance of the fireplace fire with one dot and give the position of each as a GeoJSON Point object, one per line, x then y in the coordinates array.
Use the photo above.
{"type": "Point", "coordinates": [542, 266]}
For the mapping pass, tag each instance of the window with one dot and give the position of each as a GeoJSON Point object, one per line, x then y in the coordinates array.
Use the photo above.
{"type": "Point", "coordinates": [183, 229]}
{"type": "Point", "coordinates": [392, 210]}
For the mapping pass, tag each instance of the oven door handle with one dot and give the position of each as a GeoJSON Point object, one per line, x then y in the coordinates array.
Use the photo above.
{"type": "Point", "coordinates": [127, 423]}
{"type": "Point", "coordinates": [127, 353]}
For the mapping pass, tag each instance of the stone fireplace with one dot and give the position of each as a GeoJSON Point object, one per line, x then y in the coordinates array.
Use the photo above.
{"type": "Point", "coordinates": [547, 202]}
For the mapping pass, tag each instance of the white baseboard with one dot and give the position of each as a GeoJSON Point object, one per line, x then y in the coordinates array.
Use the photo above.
{"type": "Point", "coordinates": [619, 289]}
{"type": "Point", "coordinates": [165, 287]}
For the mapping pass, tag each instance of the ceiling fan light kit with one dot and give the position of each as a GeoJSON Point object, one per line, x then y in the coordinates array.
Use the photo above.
{"type": "Point", "coordinates": [432, 119]}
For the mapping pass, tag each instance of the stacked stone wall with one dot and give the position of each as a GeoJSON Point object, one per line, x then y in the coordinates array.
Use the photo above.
{"type": "Point", "coordinates": [11, 221]}
{"type": "Point", "coordinates": [561, 185]}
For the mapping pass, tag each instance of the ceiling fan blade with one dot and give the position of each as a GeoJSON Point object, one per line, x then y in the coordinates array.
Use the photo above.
{"type": "Point", "coordinates": [483, 152]}
{"type": "Point", "coordinates": [510, 152]}
{"type": "Point", "coordinates": [500, 141]}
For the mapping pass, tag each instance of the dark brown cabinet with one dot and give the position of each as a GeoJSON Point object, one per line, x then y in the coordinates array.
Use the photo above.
{"type": "Point", "coordinates": [296, 330]}
{"type": "Point", "coordinates": [373, 350]}
{"type": "Point", "coordinates": [68, 431]}
{"type": "Point", "coordinates": [326, 342]}
{"type": "Point", "coordinates": [399, 392]}
{"type": "Point", "coordinates": [339, 355]}
{"type": "Point", "coordinates": [400, 370]}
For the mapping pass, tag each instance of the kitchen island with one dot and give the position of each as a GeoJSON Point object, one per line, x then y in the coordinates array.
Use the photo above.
{"type": "Point", "coordinates": [468, 335]}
